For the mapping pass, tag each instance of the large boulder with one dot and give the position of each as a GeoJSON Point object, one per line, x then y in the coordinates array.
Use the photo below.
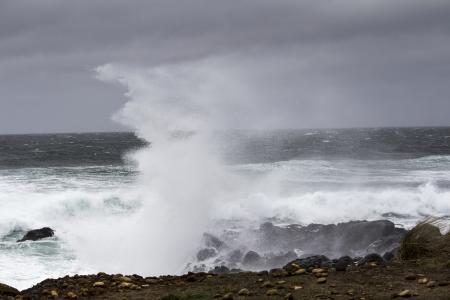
{"type": "Point", "coordinates": [425, 242]}
{"type": "Point", "coordinates": [37, 234]}
{"type": "Point", "coordinates": [7, 291]}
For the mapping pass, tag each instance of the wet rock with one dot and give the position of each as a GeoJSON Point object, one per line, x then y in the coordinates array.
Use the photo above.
{"type": "Point", "coordinates": [252, 258]}
{"type": "Point", "coordinates": [37, 234]}
{"type": "Point", "coordinates": [206, 253]}
{"type": "Point", "coordinates": [372, 258]}
{"type": "Point", "coordinates": [315, 261]}
{"type": "Point", "coordinates": [6, 290]}
{"type": "Point", "coordinates": [344, 238]}
{"type": "Point", "coordinates": [219, 270]}
{"type": "Point", "coordinates": [213, 242]}
{"type": "Point", "coordinates": [410, 276]}
{"type": "Point", "coordinates": [280, 260]}
{"type": "Point", "coordinates": [431, 284]}
{"type": "Point", "coordinates": [343, 262]}
{"type": "Point", "coordinates": [72, 295]}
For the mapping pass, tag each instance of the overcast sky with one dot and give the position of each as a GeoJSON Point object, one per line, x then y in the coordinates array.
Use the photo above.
{"type": "Point", "coordinates": [307, 63]}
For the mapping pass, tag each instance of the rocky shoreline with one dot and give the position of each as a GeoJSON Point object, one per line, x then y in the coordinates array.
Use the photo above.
{"type": "Point", "coordinates": [419, 268]}
{"type": "Point", "coordinates": [271, 246]}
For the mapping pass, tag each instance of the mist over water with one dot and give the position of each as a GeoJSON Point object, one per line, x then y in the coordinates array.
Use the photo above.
{"type": "Point", "coordinates": [140, 205]}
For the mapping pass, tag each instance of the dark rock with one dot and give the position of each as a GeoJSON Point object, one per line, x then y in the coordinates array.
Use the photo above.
{"type": "Point", "coordinates": [212, 241]}
{"type": "Point", "coordinates": [343, 262]}
{"type": "Point", "coordinates": [206, 253]}
{"type": "Point", "coordinates": [315, 261]}
{"type": "Point", "coordinates": [219, 270]}
{"type": "Point", "coordinates": [6, 290]}
{"type": "Point", "coordinates": [354, 238]}
{"type": "Point", "coordinates": [252, 258]}
{"type": "Point", "coordinates": [388, 256]}
{"type": "Point", "coordinates": [372, 258]}
{"type": "Point", "coordinates": [37, 234]}
{"type": "Point", "coordinates": [421, 242]}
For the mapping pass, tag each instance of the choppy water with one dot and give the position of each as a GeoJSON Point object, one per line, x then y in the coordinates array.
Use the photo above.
{"type": "Point", "coordinates": [84, 181]}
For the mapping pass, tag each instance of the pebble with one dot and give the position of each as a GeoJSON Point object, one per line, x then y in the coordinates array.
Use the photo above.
{"type": "Point", "coordinates": [272, 292]}
{"type": "Point", "coordinates": [54, 294]}
{"type": "Point", "coordinates": [125, 285]}
{"type": "Point", "coordinates": [267, 284]}
{"type": "Point", "coordinates": [321, 280]}
{"type": "Point", "coordinates": [98, 284]}
{"type": "Point", "coordinates": [431, 284]}
{"type": "Point", "coordinates": [244, 292]}
{"type": "Point", "coordinates": [422, 280]}
{"type": "Point", "coordinates": [405, 293]}
{"type": "Point", "coordinates": [300, 272]}
{"type": "Point", "coordinates": [297, 287]}
{"type": "Point", "coordinates": [260, 280]}
{"type": "Point", "coordinates": [281, 282]}
{"type": "Point", "coordinates": [314, 271]}
{"type": "Point", "coordinates": [72, 295]}
{"type": "Point", "coordinates": [125, 279]}
{"type": "Point", "coordinates": [295, 265]}
{"type": "Point", "coordinates": [228, 296]}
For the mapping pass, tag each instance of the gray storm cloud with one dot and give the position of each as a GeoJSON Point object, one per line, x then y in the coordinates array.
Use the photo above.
{"type": "Point", "coordinates": [291, 63]}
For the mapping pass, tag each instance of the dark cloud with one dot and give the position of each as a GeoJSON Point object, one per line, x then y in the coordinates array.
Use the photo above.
{"type": "Point", "coordinates": [310, 63]}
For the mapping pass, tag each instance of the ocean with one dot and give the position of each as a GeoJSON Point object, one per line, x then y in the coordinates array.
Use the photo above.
{"type": "Point", "coordinates": [111, 214]}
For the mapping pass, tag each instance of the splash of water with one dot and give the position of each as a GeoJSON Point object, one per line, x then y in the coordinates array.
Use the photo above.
{"type": "Point", "coordinates": [180, 176]}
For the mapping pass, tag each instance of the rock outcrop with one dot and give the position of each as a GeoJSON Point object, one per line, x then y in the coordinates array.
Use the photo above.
{"type": "Point", "coordinates": [37, 234]}
{"type": "Point", "coordinates": [7, 291]}
{"type": "Point", "coordinates": [272, 246]}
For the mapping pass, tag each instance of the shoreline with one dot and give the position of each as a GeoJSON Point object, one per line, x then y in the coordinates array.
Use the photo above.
{"type": "Point", "coordinates": [371, 281]}
{"type": "Point", "coordinates": [419, 269]}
